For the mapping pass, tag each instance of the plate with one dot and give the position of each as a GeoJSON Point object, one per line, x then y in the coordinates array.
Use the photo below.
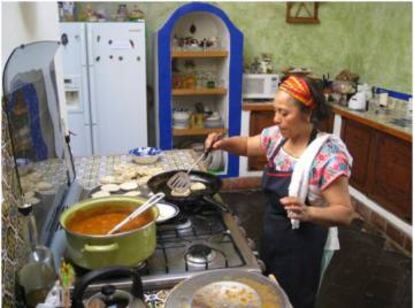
{"type": "Point", "coordinates": [260, 289]}
{"type": "Point", "coordinates": [166, 211]}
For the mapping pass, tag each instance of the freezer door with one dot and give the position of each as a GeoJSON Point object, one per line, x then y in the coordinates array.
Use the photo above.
{"type": "Point", "coordinates": [73, 47]}
{"type": "Point", "coordinates": [76, 87]}
{"type": "Point", "coordinates": [117, 86]}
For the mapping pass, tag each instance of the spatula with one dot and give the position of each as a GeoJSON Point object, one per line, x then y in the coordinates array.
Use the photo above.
{"type": "Point", "coordinates": [147, 204]}
{"type": "Point", "coordinates": [180, 181]}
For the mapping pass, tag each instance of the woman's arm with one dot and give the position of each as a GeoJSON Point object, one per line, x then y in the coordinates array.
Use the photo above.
{"type": "Point", "coordinates": [245, 146]}
{"type": "Point", "coordinates": [338, 212]}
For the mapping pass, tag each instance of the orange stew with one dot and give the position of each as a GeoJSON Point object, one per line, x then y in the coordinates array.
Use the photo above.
{"type": "Point", "coordinates": [101, 221]}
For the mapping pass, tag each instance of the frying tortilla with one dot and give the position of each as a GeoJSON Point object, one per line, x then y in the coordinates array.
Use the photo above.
{"type": "Point", "coordinates": [197, 186]}
{"type": "Point", "coordinates": [176, 193]}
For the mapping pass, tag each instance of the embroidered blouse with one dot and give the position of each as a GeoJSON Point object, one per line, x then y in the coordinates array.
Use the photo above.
{"type": "Point", "coordinates": [332, 161]}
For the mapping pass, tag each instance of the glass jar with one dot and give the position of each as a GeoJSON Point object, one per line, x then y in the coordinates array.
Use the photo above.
{"type": "Point", "coordinates": [37, 276]}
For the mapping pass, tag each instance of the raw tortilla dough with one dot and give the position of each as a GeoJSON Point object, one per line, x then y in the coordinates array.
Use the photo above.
{"type": "Point", "coordinates": [109, 179]}
{"type": "Point", "coordinates": [131, 185]}
{"type": "Point", "coordinates": [133, 193]}
{"type": "Point", "coordinates": [198, 186]}
{"type": "Point", "coordinates": [110, 187]}
{"type": "Point", "coordinates": [176, 193]}
{"type": "Point", "coordinates": [100, 194]}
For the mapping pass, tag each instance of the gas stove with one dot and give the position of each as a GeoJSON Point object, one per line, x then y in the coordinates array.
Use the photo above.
{"type": "Point", "coordinates": [201, 238]}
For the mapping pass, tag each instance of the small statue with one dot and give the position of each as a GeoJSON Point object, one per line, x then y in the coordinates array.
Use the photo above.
{"type": "Point", "coordinates": [266, 65]}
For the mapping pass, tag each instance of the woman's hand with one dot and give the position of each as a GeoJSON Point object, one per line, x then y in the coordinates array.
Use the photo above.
{"type": "Point", "coordinates": [213, 139]}
{"type": "Point", "coordinates": [296, 209]}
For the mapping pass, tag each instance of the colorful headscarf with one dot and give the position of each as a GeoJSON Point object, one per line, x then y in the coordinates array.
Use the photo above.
{"type": "Point", "coordinates": [298, 89]}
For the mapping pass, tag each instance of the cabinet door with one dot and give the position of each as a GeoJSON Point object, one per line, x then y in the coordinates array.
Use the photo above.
{"type": "Point", "coordinates": [359, 140]}
{"type": "Point", "coordinates": [391, 184]}
{"type": "Point", "coordinates": [258, 121]}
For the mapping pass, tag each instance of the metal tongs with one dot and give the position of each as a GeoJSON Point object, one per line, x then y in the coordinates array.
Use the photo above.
{"type": "Point", "coordinates": [181, 181]}
{"type": "Point", "coordinates": [147, 204]}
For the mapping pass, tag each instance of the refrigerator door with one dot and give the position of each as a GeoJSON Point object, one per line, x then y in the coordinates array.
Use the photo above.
{"type": "Point", "coordinates": [117, 86]}
{"type": "Point", "coordinates": [76, 86]}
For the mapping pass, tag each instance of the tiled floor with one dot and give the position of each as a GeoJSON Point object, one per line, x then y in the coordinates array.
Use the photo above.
{"type": "Point", "coordinates": [364, 273]}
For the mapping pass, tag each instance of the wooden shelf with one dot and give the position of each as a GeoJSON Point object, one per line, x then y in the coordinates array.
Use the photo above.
{"type": "Point", "coordinates": [200, 54]}
{"type": "Point", "coordinates": [197, 131]}
{"type": "Point", "coordinates": [199, 91]}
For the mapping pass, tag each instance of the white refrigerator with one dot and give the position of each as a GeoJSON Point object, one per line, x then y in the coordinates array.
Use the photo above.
{"type": "Point", "coordinates": [105, 86]}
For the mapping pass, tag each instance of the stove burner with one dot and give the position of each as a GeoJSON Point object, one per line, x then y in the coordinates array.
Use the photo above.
{"type": "Point", "coordinates": [141, 267]}
{"type": "Point", "coordinates": [200, 254]}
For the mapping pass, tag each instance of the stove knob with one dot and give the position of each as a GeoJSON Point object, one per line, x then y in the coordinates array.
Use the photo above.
{"type": "Point", "coordinates": [251, 243]}
{"type": "Point", "coordinates": [242, 231]}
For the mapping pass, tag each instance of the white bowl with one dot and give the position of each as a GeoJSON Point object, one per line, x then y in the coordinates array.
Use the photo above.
{"type": "Point", "coordinates": [181, 115]}
{"type": "Point", "coordinates": [145, 155]}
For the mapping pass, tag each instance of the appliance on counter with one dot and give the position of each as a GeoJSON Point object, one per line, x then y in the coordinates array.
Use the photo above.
{"type": "Point", "coordinates": [105, 86]}
{"type": "Point", "coordinates": [359, 100]}
{"type": "Point", "coordinates": [260, 86]}
{"type": "Point", "coordinates": [201, 238]}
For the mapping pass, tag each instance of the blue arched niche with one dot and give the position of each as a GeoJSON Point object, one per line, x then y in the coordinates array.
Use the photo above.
{"type": "Point", "coordinates": [165, 75]}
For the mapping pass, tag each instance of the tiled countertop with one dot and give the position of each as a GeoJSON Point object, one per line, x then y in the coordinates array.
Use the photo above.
{"type": "Point", "coordinates": [91, 169]}
{"type": "Point", "coordinates": [381, 122]}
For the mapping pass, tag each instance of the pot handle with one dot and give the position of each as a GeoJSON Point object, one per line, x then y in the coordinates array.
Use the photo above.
{"type": "Point", "coordinates": [215, 203]}
{"type": "Point", "coordinates": [100, 248]}
{"type": "Point", "coordinates": [107, 272]}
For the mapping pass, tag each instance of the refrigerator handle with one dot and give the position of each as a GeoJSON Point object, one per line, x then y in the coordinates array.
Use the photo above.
{"type": "Point", "coordinates": [89, 33]}
{"type": "Point", "coordinates": [93, 112]}
{"type": "Point", "coordinates": [85, 97]}
{"type": "Point", "coordinates": [92, 98]}
{"type": "Point", "coordinates": [83, 44]}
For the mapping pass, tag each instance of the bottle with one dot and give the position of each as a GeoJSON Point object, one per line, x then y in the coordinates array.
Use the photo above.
{"type": "Point", "coordinates": [37, 276]}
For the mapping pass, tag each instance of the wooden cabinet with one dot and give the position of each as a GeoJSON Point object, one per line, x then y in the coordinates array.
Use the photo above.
{"type": "Point", "coordinates": [391, 177]}
{"type": "Point", "coordinates": [358, 138]}
{"type": "Point", "coordinates": [258, 121]}
{"type": "Point", "coordinates": [382, 167]}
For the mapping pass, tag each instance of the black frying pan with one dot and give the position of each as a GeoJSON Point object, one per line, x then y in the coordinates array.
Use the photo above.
{"type": "Point", "coordinates": [158, 183]}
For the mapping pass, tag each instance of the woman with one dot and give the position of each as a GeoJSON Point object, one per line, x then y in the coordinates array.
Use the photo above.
{"type": "Point", "coordinates": [294, 255]}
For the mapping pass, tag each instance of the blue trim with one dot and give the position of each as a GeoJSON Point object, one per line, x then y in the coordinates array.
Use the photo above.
{"type": "Point", "coordinates": [165, 77]}
{"type": "Point", "coordinates": [39, 146]}
{"type": "Point", "coordinates": [395, 94]}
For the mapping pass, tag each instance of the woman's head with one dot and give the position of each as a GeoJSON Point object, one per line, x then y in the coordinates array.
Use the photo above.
{"type": "Point", "coordinates": [298, 103]}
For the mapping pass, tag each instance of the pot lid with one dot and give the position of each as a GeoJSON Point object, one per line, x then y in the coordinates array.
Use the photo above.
{"type": "Point", "coordinates": [228, 288]}
{"type": "Point", "coordinates": [110, 297]}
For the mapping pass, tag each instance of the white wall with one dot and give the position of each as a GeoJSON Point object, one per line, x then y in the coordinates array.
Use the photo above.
{"type": "Point", "coordinates": [25, 22]}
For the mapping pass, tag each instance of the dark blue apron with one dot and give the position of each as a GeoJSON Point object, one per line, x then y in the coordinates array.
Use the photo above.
{"type": "Point", "coordinates": [293, 256]}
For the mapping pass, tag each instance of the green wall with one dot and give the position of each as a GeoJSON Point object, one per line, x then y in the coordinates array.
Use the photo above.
{"type": "Point", "coordinates": [373, 39]}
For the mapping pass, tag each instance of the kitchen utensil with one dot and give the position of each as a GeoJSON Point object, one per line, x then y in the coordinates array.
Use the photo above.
{"type": "Point", "coordinates": [232, 287]}
{"type": "Point", "coordinates": [97, 251]}
{"type": "Point", "coordinates": [166, 210]}
{"type": "Point", "coordinates": [158, 183]}
{"type": "Point", "coordinates": [144, 207]}
{"type": "Point", "coordinates": [109, 295]}
{"type": "Point", "coordinates": [181, 181]}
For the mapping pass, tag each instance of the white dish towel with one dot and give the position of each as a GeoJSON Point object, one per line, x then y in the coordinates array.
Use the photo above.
{"type": "Point", "coordinates": [299, 183]}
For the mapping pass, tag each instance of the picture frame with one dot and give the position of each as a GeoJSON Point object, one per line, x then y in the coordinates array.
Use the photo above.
{"type": "Point", "coordinates": [302, 13]}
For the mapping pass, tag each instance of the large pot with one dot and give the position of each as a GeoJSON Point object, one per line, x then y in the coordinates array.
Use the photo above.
{"type": "Point", "coordinates": [96, 251]}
